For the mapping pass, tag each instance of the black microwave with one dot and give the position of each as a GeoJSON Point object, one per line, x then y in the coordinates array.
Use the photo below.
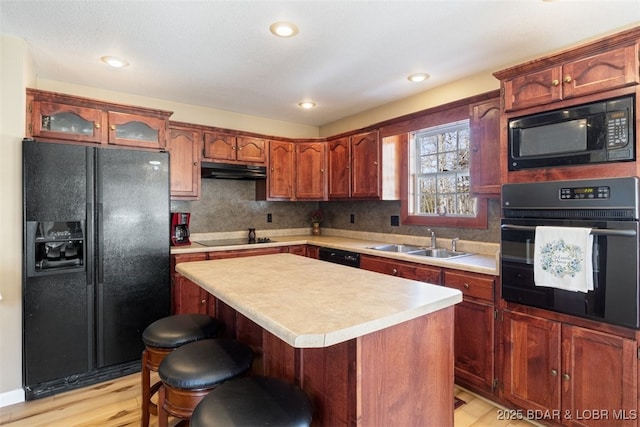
{"type": "Point", "coordinates": [598, 132]}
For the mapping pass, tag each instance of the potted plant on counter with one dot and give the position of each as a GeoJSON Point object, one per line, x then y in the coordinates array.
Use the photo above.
{"type": "Point", "coordinates": [316, 218]}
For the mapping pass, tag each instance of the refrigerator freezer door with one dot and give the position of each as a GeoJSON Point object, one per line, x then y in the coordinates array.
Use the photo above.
{"type": "Point", "coordinates": [133, 278]}
{"type": "Point", "coordinates": [57, 308]}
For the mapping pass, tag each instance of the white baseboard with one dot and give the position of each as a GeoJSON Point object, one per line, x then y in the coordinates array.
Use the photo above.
{"type": "Point", "coordinates": [10, 397]}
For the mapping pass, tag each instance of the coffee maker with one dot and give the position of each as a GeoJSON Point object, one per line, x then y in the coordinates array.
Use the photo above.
{"type": "Point", "coordinates": [180, 228]}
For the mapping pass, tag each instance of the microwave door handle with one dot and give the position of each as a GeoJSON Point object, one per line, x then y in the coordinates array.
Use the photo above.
{"type": "Point", "coordinates": [595, 231]}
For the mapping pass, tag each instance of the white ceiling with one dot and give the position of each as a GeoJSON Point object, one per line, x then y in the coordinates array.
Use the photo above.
{"type": "Point", "coordinates": [349, 56]}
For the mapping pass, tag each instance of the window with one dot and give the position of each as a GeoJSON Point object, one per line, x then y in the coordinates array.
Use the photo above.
{"type": "Point", "coordinates": [439, 171]}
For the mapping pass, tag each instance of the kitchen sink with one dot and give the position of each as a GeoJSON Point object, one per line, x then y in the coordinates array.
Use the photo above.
{"type": "Point", "coordinates": [438, 253]}
{"type": "Point", "coordinates": [421, 251]}
{"type": "Point", "coordinates": [397, 248]}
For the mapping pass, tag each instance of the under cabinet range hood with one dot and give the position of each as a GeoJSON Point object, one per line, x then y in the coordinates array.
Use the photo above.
{"type": "Point", "coordinates": [232, 171]}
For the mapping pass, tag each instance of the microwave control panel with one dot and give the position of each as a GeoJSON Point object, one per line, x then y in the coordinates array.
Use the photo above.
{"type": "Point", "coordinates": [617, 129]}
{"type": "Point", "coordinates": [601, 192]}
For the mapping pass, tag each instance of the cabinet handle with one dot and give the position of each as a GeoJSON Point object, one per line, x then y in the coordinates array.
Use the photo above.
{"type": "Point", "coordinates": [466, 286]}
{"type": "Point", "coordinates": [395, 272]}
{"type": "Point", "coordinates": [567, 79]}
{"type": "Point", "coordinates": [97, 125]}
{"type": "Point", "coordinates": [554, 373]}
{"type": "Point", "coordinates": [112, 127]}
{"type": "Point", "coordinates": [555, 82]}
{"type": "Point", "coordinates": [566, 377]}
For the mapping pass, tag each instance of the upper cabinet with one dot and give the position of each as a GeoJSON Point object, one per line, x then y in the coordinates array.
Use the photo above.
{"type": "Point", "coordinates": [228, 147]}
{"type": "Point", "coordinates": [485, 148]}
{"type": "Point", "coordinates": [357, 164]}
{"type": "Point", "coordinates": [310, 176]}
{"type": "Point", "coordinates": [64, 117]}
{"type": "Point", "coordinates": [184, 149]}
{"type": "Point", "coordinates": [596, 73]}
{"type": "Point", "coordinates": [601, 66]}
{"type": "Point", "coordinates": [296, 171]}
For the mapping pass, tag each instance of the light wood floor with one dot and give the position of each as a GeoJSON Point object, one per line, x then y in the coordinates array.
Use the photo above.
{"type": "Point", "coordinates": [117, 404]}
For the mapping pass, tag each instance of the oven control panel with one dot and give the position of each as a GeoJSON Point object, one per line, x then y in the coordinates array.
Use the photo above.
{"type": "Point", "coordinates": [600, 192]}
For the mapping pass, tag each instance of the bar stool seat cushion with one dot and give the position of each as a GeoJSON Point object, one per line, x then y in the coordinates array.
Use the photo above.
{"type": "Point", "coordinates": [177, 330]}
{"type": "Point", "coordinates": [254, 401]}
{"type": "Point", "coordinates": [203, 364]}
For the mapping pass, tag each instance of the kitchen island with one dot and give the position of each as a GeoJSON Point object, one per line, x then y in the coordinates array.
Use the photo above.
{"type": "Point", "coordinates": [369, 349]}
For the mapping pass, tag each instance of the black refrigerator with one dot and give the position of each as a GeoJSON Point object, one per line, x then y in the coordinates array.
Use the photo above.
{"type": "Point", "coordinates": [95, 261]}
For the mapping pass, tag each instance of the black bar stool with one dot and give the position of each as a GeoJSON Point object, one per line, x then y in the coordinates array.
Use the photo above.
{"type": "Point", "coordinates": [190, 372]}
{"type": "Point", "coordinates": [161, 338]}
{"type": "Point", "coordinates": [254, 401]}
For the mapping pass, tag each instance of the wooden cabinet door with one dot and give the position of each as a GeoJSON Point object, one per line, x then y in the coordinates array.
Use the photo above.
{"type": "Point", "coordinates": [537, 88]}
{"type": "Point", "coordinates": [219, 146]}
{"type": "Point", "coordinates": [184, 149]}
{"type": "Point", "coordinates": [532, 365]}
{"type": "Point", "coordinates": [189, 297]}
{"type": "Point", "coordinates": [474, 343]}
{"type": "Point", "coordinates": [605, 71]}
{"type": "Point", "coordinates": [339, 180]}
{"type": "Point", "coordinates": [251, 150]}
{"type": "Point", "coordinates": [68, 122]}
{"type": "Point", "coordinates": [599, 373]}
{"type": "Point", "coordinates": [136, 131]}
{"type": "Point", "coordinates": [310, 171]}
{"type": "Point", "coordinates": [485, 149]}
{"type": "Point", "coordinates": [281, 166]}
{"type": "Point", "coordinates": [365, 165]}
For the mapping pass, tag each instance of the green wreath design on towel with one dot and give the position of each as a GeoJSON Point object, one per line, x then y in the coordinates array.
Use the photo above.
{"type": "Point", "coordinates": [561, 259]}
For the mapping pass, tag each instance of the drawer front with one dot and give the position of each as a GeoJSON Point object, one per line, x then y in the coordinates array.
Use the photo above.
{"type": "Point", "coordinates": [471, 285]}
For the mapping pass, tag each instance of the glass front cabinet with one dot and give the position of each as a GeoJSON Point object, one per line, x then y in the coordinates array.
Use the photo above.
{"type": "Point", "coordinates": [70, 118]}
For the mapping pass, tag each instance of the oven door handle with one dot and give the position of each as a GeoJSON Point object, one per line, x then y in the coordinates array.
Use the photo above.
{"type": "Point", "coordinates": [595, 231]}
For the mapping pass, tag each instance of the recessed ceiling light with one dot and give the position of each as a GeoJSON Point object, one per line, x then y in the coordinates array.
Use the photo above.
{"type": "Point", "coordinates": [283, 29]}
{"type": "Point", "coordinates": [114, 61]}
{"type": "Point", "coordinates": [418, 77]}
{"type": "Point", "coordinates": [307, 105]}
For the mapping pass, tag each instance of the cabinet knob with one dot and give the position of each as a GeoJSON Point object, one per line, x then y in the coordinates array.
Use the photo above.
{"type": "Point", "coordinates": [568, 79]}
{"type": "Point", "coordinates": [554, 373]}
{"type": "Point", "coordinates": [555, 82]}
{"type": "Point", "coordinates": [195, 163]}
{"type": "Point", "coordinates": [395, 271]}
{"type": "Point", "coordinates": [112, 127]}
{"type": "Point", "coordinates": [97, 125]}
{"type": "Point", "coordinates": [566, 377]}
{"type": "Point", "coordinates": [203, 301]}
{"type": "Point", "coordinates": [375, 163]}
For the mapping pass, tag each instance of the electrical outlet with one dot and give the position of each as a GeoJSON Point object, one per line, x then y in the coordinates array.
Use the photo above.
{"type": "Point", "coordinates": [352, 219]}
{"type": "Point", "coordinates": [269, 218]}
{"type": "Point", "coordinates": [395, 220]}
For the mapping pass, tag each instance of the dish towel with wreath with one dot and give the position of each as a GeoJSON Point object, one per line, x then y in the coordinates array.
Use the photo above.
{"type": "Point", "coordinates": [563, 258]}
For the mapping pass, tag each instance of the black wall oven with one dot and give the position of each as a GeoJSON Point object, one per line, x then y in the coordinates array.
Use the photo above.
{"type": "Point", "coordinates": [610, 207]}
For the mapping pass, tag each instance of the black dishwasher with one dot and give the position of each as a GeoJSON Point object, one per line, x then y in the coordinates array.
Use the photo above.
{"type": "Point", "coordinates": [338, 256]}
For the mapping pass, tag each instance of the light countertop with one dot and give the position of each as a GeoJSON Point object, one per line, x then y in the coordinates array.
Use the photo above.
{"type": "Point", "coordinates": [310, 303]}
{"type": "Point", "coordinates": [485, 258]}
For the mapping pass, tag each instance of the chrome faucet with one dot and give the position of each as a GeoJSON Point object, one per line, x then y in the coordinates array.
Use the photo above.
{"type": "Point", "coordinates": [453, 243]}
{"type": "Point", "coordinates": [433, 237]}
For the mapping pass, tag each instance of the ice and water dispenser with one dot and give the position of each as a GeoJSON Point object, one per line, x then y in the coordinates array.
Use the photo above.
{"type": "Point", "coordinates": [55, 247]}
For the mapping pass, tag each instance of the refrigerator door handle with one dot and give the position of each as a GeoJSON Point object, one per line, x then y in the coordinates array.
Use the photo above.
{"type": "Point", "coordinates": [99, 244]}
{"type": "Point", "coordinates": [88, 245]}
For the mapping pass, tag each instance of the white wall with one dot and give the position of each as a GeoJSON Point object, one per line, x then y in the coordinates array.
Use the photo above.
{"type": "Point", "coordinates": [15, 75]}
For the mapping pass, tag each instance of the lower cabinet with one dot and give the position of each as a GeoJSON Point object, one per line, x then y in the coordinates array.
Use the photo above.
{"type": "Point", "coordinates": [569, 375]}
{"type": "Point", "coordinates": [474, 330]}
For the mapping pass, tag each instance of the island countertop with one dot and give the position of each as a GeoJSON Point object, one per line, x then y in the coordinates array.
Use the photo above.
{"type": "Point", "coordinates": [309, 303]}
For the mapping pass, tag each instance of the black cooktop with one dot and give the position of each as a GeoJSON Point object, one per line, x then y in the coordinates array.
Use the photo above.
{"type": "Point", "coordinates": [233, 242]}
